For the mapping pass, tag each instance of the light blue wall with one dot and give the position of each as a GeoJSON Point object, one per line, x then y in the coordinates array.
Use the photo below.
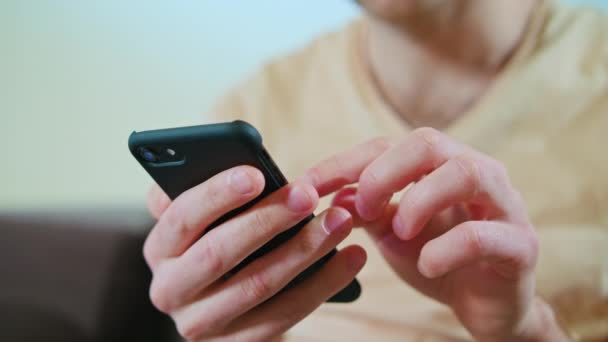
{"type": "Point", "coordinates": [596, 3]}
{"type": "Point", "coordinates": [77, 76]}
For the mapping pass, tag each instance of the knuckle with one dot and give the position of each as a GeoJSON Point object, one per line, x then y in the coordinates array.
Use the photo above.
{"type": "Point", "coordinates": [430, 263]}
{"type": "Point", "coordinates": [314, 174]}
{"type": "Point", "coordinates": [500, 168]}
{"type": "Point", "coordinates": [334, 165]}
{"type": "Point", "coordinates": [411, 202]}
{"type": "Point", "coordinates": [502, 173]}
{"type": "Point", "coordinates": [380, 144]}
{"type": "Point", "coordinates": [428, 136]}
{"type": "Point", "coordinates": [262, 222]}
{"type": "Point", "coordinates": [307, 245]}
{"type": "Point", "coordinates": [474, 240]}
{"type": "Point", "coordinates": [196, 326]}
{"type": "Point", "coordinates": [148, 252]}
{"type": "Point", "coordinates": [190, 330]}
{"type": "Point", "coordinates": [371, 178]}
{"type": "Point", "coordinates": [471, 170]}
{"type": "Point", "coordinates": [498, 172]}
{"type": "Point", "coordinates": [211, 258]}
{"type": "Point", "coordinates": [497, 166]}
{"type": "Point", "coordinates": [174, 220]}
{"type": "Point", "coordinates": [214, 192]}
{"type": "Point", "coordinates": [159, 295]}
{"type": "Point", "coordinates": [533, 248]}
{"type": "Point", "coordinates": [429, 141]}
{"type": "Point", "coordinates": [256, 288]}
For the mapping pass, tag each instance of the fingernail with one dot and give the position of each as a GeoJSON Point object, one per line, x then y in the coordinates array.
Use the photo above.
{"type": "Point", "coordinates": [299, 200]}
{"type": "Point", "coordinates": [335, 219]}
{"type": "Point", "coordinates": [241, 181]}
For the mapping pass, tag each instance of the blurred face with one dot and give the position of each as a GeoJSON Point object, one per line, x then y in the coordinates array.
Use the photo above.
{"type": "Point", "coordinates": [398, 10]}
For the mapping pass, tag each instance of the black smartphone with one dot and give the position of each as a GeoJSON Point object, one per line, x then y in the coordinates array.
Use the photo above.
{"type": "Point", "coordinates": [181, 158]}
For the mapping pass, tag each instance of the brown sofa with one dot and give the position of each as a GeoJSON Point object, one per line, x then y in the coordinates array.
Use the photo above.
{"type": "Point", "coordinates": [77, 276]}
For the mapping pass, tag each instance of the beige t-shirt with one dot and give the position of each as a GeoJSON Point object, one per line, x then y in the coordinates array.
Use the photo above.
{"type": "Point", "coordinates": [546, 118]}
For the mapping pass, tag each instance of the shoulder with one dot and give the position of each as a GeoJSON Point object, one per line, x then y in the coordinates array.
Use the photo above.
{"type": "Point", "coordinates": [580, 33]}
{"type": "Point", "coordinates": [575, 46]}
{"type": "Point", "coordinates": [572, 57]}
{"type": "Point", "coordinates": [579, 36]}
{"type": "Point", "coordinates": [562, 90]}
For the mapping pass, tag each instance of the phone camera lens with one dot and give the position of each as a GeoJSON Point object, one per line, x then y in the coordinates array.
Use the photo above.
{"type": "Point", "coordinates": [148, 155]}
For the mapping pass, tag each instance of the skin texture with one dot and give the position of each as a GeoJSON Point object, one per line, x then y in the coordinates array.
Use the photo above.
{"type": "Point", "coordinates": [433, 59]}
{"type": "Point", "coordinates": [458, 234]}
{"type": "Point", "coordinates": [188, 282]}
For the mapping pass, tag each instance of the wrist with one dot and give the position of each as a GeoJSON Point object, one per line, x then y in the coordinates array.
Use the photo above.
{"type": "Point", "coordinates": [541, 324]}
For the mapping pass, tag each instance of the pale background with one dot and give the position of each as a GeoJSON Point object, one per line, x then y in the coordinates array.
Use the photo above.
{"type": "Point", "coordinates": [76, 77]}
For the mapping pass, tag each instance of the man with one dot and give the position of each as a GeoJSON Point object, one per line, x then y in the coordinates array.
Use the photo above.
{"type": "Point", "coordinates": [517, 93]}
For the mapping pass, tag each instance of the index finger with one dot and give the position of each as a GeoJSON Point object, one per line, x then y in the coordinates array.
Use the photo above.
{"type": "Point", "coordinates": [344, 168]}
{"type": "Point", "coordinates": [420, 153]}
{"type": "Point", "coordinates": [192, 212]}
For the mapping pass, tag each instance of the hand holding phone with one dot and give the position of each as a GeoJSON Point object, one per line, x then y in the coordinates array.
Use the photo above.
{"type": "Point", "coordinates": [204, 282]}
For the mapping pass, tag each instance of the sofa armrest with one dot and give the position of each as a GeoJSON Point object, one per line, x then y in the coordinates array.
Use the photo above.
{"type": "Point", "coordinates": [84, 266]}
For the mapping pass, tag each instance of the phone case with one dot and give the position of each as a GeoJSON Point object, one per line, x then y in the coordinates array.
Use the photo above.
{"type": "Point", "coordinates": [199, 153]}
